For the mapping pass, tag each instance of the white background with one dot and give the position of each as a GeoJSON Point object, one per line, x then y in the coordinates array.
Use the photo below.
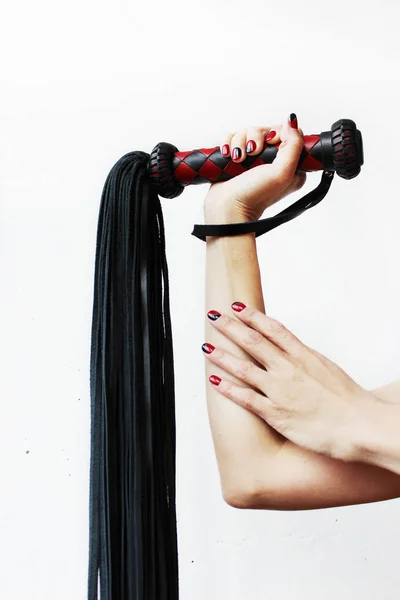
{"type": "Point", "coordinates": [86, 81]}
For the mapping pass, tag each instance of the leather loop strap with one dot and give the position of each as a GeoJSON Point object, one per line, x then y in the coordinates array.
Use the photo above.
{"type": "Point", "coordinates": [263, 225]}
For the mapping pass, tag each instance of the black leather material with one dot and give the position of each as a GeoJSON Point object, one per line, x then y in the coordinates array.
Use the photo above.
{"type": "Point", "coordinates": [263, 225]}
{"type": "Point", "coordinates": [133, 550]}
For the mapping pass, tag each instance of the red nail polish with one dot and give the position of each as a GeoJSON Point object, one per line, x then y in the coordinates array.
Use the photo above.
{"type": "Point", "coordinates": [270, 136]}
{"type": "Point", "coordinates": [238, 306]}
{"type": "Point", "coordinates": [293, 121]}
{"type": "Point", "coordinates": [207, 348]}
{"type": "Point", "coordinates": [213, 315]}
{"type": "Point", "coordinates": [251, 146]}
{"type": "Point", "coordinates": [225, 150]}
{"type": "Point", "coordinates": [236, 154]}
{"type": "Point", "coordinates": [214, 379]}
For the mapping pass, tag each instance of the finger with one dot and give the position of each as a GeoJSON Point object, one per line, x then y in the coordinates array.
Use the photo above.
{"type": "Point", "coordinates": [288, 155]}
{"type": "Point", "coordinates": [245, 370]}
{"type": "Point", "coordinates": [243, 396]}
{"type": "Point", "coordinates": [272, 139]}
{"type": "Point", "coordinates": [238, 146]}
{"type": "Point", "coordinates": [257, 137]}
{"type": "Point", "coordinates": [270, 329]}
{"type": "Point", "coordinates": [253, 342]}
{"type": "Point", "coordinates": [225, 145]}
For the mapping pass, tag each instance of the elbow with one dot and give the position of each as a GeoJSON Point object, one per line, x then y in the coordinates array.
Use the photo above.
{"type": "Point", "coordinates": [240, 498]}
{"type": "Point", "coordinates": [266, 499]}
{"type": "Point", "coordinates": [237, 500]}
{"type": "Point", "coordinates": [252, 494]}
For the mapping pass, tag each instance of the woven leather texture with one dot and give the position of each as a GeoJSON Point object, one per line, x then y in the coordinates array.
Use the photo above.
{"type": "Point", "coordinates": [208, 164]}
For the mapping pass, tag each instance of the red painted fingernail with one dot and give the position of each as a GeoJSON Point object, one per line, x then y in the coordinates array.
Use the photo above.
{"type": "Point", "coordinates": [225, 150]}
{"type": "Point", "coordinates": [213, 315]}
{"type": "Point", "coordinates": [214, 379]}
{"type": "Point", "coordinates": [270, 136]}
{"type": "Point", "coordinates": [238, 306]}
{"type": "Point", "coordinates": [251, 146]}
{"type": "Point", "coordinates": [293, 121]}
{"type": "Point", "coordinates": [236, 154]}
{"type": "Point", "coordinates": [208, 348]}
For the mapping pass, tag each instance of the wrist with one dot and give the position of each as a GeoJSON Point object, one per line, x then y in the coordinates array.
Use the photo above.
{"type": "Point", "coordinates": [220, 209]}
{"type": "Point", "coordinates": [375, 438]}
{"type": "Point", "coordinates": [223, 216]}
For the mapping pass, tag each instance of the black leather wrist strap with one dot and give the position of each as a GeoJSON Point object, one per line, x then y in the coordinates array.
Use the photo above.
{"type": "Point", "coordinates": [263, 225]}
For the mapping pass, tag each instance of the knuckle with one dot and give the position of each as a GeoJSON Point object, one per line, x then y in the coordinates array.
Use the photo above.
{"type": "Point", "coordinates": [225, 323]}
{"type": "Point", "coordinates": [244, 370]}
{"type": "Point", "coordinates": [240, 136]}
{"type": "Point", "coordinates": [252, 129]}
{"type": "Point", "coordinates": [280, 364]}
{"type": "Point", "coordinates": [277, 328]}
{"type": "Point", "coordinates": [226, 137]}
{"type": "Point", "coordinates": [226, 387]}
{"type": "Point", "coordinates": [254, 132]}
{"type": "Point", "coordinates": [253, 338]}
{"type": "Point", "coordinates": [249, 399]}
{"type": "Point", "coordinates": [218, 355]}
{"type": "Point", "coordinates": [251, 314]}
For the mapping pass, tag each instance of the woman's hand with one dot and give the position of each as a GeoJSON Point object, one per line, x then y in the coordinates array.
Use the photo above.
{"type": "Point", "coordinates": [297, 391]}
{"type": "Point", "coordinates": [246, 196]}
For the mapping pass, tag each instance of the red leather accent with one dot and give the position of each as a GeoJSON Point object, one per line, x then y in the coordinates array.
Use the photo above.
{"type": "Point", "coordinates": [210, 171]}
{"type": "Point", "coordinates": [311, 164]}
{"type": "Point", "coordinates": [234, 169]}
{"type": "Point", "coordinates": [208, 151]}
{"type": "Point", "coordinates": [310, 141]}
{"type": "Point", "coordinates": [183, 155]}
{"type": "Point", "coordinates": [257, 162]}
{"type": "Point", "coordinates": [184, 173]}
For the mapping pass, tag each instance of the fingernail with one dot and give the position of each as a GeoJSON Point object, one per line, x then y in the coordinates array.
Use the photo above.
{"type": "Point", "coordinates": [270, 136]}
{"type": "Point", "coordinates": [238, 306]}
{"type": "Point", "coordinates": [293, 121]}
{"type": "Point", "coordinates": [237, 153]}
{"type": "Point", "coordinates": [225, 150]}
{"type": "Point", "coordinates": [208, 348]}
{"type": "Point", "coordinates": [251, 146]}
{"type": "Point", "coordinates": [214, 379]}
{"type": "Point", "coordinates": [213, 315]}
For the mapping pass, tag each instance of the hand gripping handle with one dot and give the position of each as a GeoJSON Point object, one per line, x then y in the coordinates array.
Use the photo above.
{"type": "Point", "coordinates": [339, 150]}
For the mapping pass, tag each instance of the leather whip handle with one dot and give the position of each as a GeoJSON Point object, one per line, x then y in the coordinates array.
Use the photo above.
{"type": "Point", "coordinates": [339, 150]}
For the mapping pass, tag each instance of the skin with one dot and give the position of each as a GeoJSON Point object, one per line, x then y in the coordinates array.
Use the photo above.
{"type": "Point", "coordinates": [291, 430]}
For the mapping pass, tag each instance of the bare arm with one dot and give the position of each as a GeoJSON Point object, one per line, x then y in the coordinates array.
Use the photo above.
{"type": "Point", "coordinates": [258, 467]}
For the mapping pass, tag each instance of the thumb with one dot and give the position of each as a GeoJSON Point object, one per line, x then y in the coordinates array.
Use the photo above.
{"type": "Point", "coordinates": [289, 152]}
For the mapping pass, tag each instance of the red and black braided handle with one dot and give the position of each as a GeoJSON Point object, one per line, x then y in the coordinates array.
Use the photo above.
{"type": "Point", "coordinates": [339, 150]}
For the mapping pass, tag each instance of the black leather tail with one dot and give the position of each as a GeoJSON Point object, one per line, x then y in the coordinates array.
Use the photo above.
{"type": "Point", "coordinates": [133, 535]}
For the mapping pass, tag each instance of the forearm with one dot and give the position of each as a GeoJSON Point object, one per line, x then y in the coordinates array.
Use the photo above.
{"type": "Point", "coordinates": [242, 440]}
{"type": "Point", "coordinates": [377, 435]}
{"type": "Point", "coordinates": [258, 467]}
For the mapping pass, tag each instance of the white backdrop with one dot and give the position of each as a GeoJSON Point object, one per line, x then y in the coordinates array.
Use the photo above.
{"type": "Point", "coordinates": [84, 82]}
